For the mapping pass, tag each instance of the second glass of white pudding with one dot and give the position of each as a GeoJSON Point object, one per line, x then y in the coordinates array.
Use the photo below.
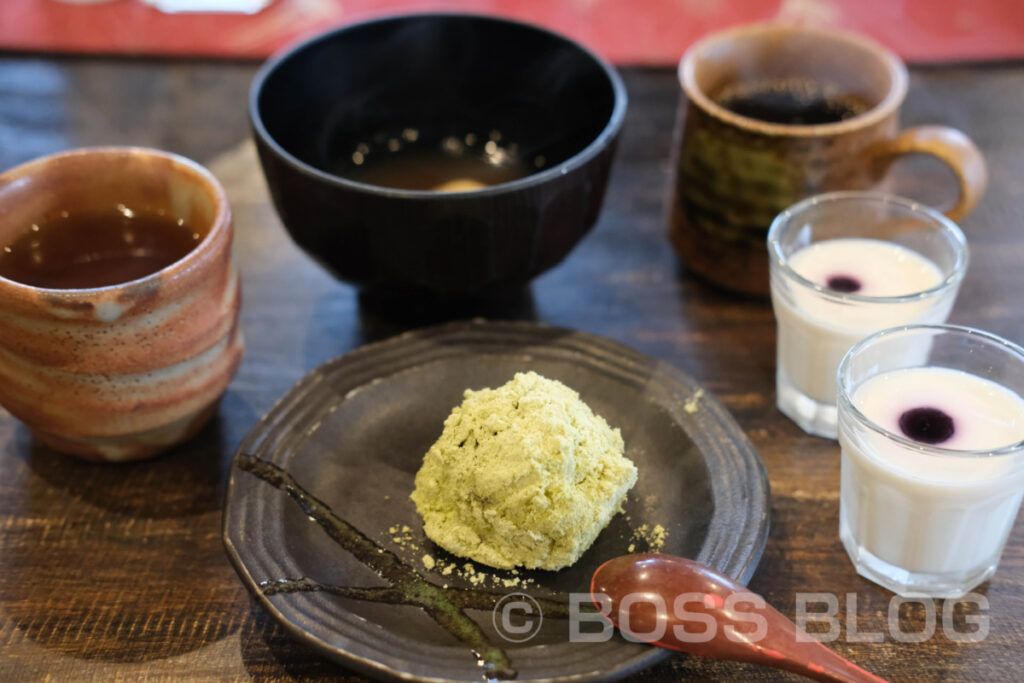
{"type": "Point", "coordinates": [931, 428]}
{"type": "Point", "coordinates": [843, 266]}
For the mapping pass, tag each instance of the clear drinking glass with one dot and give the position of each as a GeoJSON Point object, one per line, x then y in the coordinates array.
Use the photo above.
{"type": "Point", "coordinates": [930, 518]}
{"type": "Point", "coordinates": [818, 325]}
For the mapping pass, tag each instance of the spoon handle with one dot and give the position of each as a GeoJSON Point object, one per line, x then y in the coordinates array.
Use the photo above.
{"type": "Point", "coordinates": [819, 663]}
{"type": "Point", "coordinates": [696, 590]}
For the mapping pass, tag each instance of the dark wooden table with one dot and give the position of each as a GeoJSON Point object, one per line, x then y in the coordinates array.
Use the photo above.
{"type": "Point", "coordinates": [118, 573]}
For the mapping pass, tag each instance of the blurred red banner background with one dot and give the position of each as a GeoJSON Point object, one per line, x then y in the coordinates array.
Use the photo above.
{"type": "Point", "coordinates": [624, 31]}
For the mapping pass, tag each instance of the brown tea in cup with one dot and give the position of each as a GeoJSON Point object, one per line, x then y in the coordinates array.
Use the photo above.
{"type": "Point", "coordinates": [97, 248]}
{"type": "Point", "coordinates": [119, 300]}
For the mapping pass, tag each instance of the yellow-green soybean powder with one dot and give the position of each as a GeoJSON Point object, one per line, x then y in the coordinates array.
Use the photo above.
{"type": "Point", "coordinates": [525, 475]}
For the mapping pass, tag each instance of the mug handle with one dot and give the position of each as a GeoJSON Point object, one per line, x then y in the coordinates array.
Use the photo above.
{"type": "Point", "coordinates": [949, 146]}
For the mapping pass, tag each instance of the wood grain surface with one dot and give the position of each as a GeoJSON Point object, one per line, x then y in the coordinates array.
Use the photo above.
{"type": "Point", "coordinates": [117, 572]}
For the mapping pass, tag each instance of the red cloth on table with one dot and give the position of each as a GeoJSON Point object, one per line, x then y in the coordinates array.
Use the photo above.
{"type": "Point", "coordinates": [624, 31]}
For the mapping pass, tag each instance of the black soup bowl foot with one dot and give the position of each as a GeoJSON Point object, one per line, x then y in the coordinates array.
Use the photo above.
{"type": "Point", "coordinates": [449, 154]}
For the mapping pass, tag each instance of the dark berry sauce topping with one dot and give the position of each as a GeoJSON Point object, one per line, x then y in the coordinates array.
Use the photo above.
{"type": "Point", "coordinates": [927, 425]}
{"type": "Point", "coordinates": [843, 283]}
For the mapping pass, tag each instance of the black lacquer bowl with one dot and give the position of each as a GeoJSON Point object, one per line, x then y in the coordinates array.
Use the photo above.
{"type": "Point", "coordinates": [353, 433]}
{"type": "Point", "coordinates": [429, 80]}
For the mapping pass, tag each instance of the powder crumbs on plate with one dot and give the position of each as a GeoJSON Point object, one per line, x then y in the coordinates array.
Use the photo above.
{"type": "Point", "coordinates": [402, 536]}
{"type": "Point", "coordinates": [651, 536]}
{"type": "Point", "coordinates": [691, 406]}
{"type": "Point", "coordinates": [469, 573]}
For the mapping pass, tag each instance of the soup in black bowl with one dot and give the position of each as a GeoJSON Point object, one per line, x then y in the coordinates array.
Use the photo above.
{"type": "Point", "coordinates": [451, 155]}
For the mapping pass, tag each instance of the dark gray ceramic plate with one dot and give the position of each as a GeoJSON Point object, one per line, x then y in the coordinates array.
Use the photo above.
{"type": "Point", "coordinates": [352, 434]}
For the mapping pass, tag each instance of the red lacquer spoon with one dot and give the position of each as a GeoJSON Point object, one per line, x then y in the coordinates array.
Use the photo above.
{"type": "Point", "coordinates": [683, 605]}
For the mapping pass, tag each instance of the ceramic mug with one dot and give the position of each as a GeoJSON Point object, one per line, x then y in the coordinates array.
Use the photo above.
{"type": "Point", "coordinates": [125, 371]}
{"type": "Point", "coordinates": [735, 173]}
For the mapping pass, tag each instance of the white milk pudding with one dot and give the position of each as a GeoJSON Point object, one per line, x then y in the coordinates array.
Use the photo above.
{"type": "Point", "coordinates": [816, 329]}
{"type": "Point", "coordinates": [920, 510]}
{"type": "Point", "coordinates": [868, 267]}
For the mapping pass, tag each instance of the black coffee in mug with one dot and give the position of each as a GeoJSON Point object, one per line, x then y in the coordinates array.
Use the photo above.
{"type": "Point", "coordinates": [790, 101]}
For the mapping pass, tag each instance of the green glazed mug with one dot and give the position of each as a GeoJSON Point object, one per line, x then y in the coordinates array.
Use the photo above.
{"type": "Point", "coordinates": [735, 173]}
